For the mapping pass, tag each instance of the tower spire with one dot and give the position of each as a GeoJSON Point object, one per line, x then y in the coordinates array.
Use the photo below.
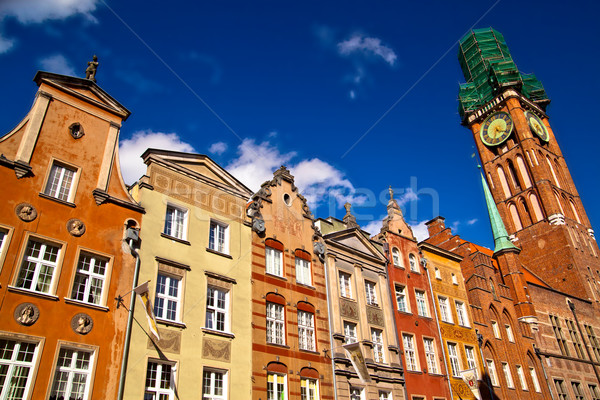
{"type": "Point", "coordinates": [501, 240]}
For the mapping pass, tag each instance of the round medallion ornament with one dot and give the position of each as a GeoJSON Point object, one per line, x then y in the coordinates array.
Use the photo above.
{"type": "Point", "coordinates": [537, 126]}
{"type": "Point", "coordinates": [82, 323]}
{"type": "Point", "coordinates": [76, 130]}
{"type": "Point", "coordinates": [26, 212]}
{"type": "Point", "coordinates": [26, 314]}
{"type": "Point", "coordinates": [75, 227]}
{"type": "Point", "coordinates": [496, 129]}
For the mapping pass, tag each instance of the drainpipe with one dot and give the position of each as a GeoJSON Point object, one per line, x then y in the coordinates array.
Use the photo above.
{"type": "Point", "coordinates": [572, 307]}
{"type": "Point", "coordinates": [437, 323]}
{"type": "Point", "coordinates": [330, 321]}
{"type": "Point", "coordinates": [537, 353]}
{"type": "Point", "coordinates": [489, 381]}
{"type": "Point", "coordinates": [132, 237]}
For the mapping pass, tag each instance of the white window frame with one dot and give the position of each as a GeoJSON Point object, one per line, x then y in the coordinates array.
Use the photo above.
{"type": "Point", "coordinates": [437, 273]}
{"type": "Point", "coordinates": [430, 356]}
{"type": "Point", "coordinates": [305, 389]}
{"type": "Point", "coordinates": [371, 293]}
{"type": "Point", "coordinates": [414, 265]}
{"type": "Point", "coordinates": [156, 389]}
{"type": "Point", "coordinates": [217, 308]}
{"type": "Point", "coordinates": [275, 323]}
{"type": "Point", "coordinates": [16, 364]}
{"type": "Point", "coordinates": [161, 311]}
{"type": "Point", "coordinates": [55, 186]}
{"type": "Point", "coordinates": [402, 299]}
{"type": "Point", "coordinates": [274, 261]}
{"type": "Point", "coordinates": [454, 279]}
{"type": "Point", "coordinates": [303, 271]}
{"type": "Point", "coordinates": [273, 379]}
{"type": "Point", "coordinates": [470, 355]}
{"type": "Point", "coordinates": [453, 356]}
{"type": "Point", "coordinates": [345, 284]}
{"type": "Point", "coordinates": [39, 265]}
{"type": "Point", "coordinates": [461, 313]}
{"type": "Point", "coordinates": [209, 381]}
{"type": "Point", "coordinates": [306, 331]}
{"type": "Point", "coordinates": [534, 378]}
{"type": "Point", "coordinates": [396, 258]}
{"type": "Point", "coordinates": [507, 374]}
{"type": "Point", "coordinates": [491, 367]}
{"type": "Point", "coordinates": [422, 304]}
{"type": "Point", "coordinates": [218, 237]}
{"type": "Point", "coordinates": [177, 221]}
{"type": "Point", "coordinates": [357, 393]}
{"type": "Point", "coordinates": [496, 329]}
{"type": "Point", "coordinates": [72, 370]}
{"type": "Point", "coordinates": [509, 333]}
{"type": "Point", "coordinates": [86, 278]}
{"type": "Point", "coordinates": [521, 376]}
{"type": "Point", "coordinates": [410, 352]}
{"type": "Point", "coordinates": [445, 311]}
{"type": "Point", "coordinates": [350, 332]}
{"type": "Point", "coordinates": [385, 395]}
{"type": "Point", "coordinates": [378, 345]}
{"type": "Point", "coordinates": [5, 238]}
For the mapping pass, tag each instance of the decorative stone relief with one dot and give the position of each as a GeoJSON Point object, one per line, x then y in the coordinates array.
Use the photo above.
{"type": "Point", "coordinates": [82, 323]}
{"type": "Point", "coordinates": [26, 314]}
{"type": "Point", "coordinates": [375, 316]}
{"type": "Point", "coordinates": [75, 227]}
{"type": "Point", "coordinates": [348, 309]}
{"type": "Point", "coordinates": [258, 225]}
{"type": "Point", "coordinates": [216, 350]}
{"type": "Point", "coordinates": [319, 250]}
{"type": "Point", "coordinates": [170, 341]}
{"type": "Point", "coordinates": [26, 212]}
{"type": "Point", "coordinates": [76, 130]}
{"type": "Point", "coordinates": [556, 219]}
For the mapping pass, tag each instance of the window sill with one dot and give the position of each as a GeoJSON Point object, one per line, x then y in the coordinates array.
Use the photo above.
{"type": "Point", "coordinates": [171, 323]}
{"type": "Point", "coordinates": [306, 285]}
{"type": "Point", "coordinates": [175, 239]}
{"type": "Point", "coordinates": [373, 305]}
{"type": "Point", "coordinates": [448, 322]}
{"type": "Point", "coordinates": [218, 333]}
{"type": "Point", "coordinates": [414, 372]}
{"type": "Point", "coordinates": [283, 346]}
{"type": "Point", "coordinates": [404, 312]}
{"type": "Point", "coordinates": [276, 276]}
{"type": "Point", "coordinates": [32, 293]}
{"type": "Point", "coordinates": [218, 253]}
{"type": "Point", "coordinates": [84, 304]}
{"type": "Point", "coordinates": [347, 298]}
{"type": "Point", "coordinates": [309, 351]}
{"type": "Point", "coordinates": [66, 203]}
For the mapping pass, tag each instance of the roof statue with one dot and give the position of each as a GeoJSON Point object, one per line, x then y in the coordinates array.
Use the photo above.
{"type": "Point", "coordinates": [90, 71]}
{"type": "Point", "coordinates": [349, 219]}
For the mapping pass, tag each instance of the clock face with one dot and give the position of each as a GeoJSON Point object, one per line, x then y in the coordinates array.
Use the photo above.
{"type": "Point", "coordinates": [496, 129]}
{"type": "Point", "coordinates": [537, 126]}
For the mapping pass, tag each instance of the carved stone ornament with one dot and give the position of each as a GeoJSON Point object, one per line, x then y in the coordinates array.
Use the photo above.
{"type": "Point", "coordinates": [319, 249]}
{"type": "Point", "coordinates": [75, 227]}
{"type": "Point", "coordinates": [258, 225]}
{"type": "Point", "coordinates": [82, 323]}
{"type": "Point", "coordinates": [76, 130]}
{"type": "Point", "coordinates": [26, 314]}
{"type": "Point", "coordinates": [26, 212]}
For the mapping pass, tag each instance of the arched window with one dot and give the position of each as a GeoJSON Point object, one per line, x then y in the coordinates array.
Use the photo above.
{"type": "Point", "coordinates": [503, 182]}
{"type": "Point", "coordinates": [513, 175]}
{"type": "Point", "coordinates": [515, 217]}
{"type": "Point", "coordinates": [574, 210]}
{"type": "Point", "coordinates": [552, 171]}
{"type": "Point", "coordinates": [412, 260]}
{"type": "Point", "coordinates": [396, 257]}
{"type": "Point", "coordinates": [559, 203]}
{"type": "Point", "coordinates": [490, 181]}
{"type": "Point", "coordinates": [523, 171]}
{"type": "Point", "coordinates": [526, 213]}
{"type": "Point", "coordinates": [535, 204]}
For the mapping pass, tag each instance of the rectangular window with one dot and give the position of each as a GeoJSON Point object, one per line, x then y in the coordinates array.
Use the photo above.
{"type": "Point", "coordinates": [3, 239]}
{"type": "Point", "coordinates": [159, 381]}
{"type": "Point", "coordinates": [409, 352]}
{"type": "Point", "coordinates": [306, 330]}
{"type": "Point", "coordinates": [461, 313]}
{"type": "Point", "coordinates": [275, 324]}
{"type": "Point", "coordinates": [303, 271]}
{"type": "Point", "coordinates": [492, 372]}
{"type": "Point", "coordinates": [90, 278]}
{"type": "Point", "coordinates": [39, 265]}
{"type": "Point", "coordinates": [508, 375]}
{"type": "Point", "coordinates": [509, 333]}
{"type": "Point", "coordinates": [357, 393]}
{"type": "Point", "coordinates": [385, 395]}
{"type": "Point", "coordinates": [274, 261]}
{"type": "Point", "coordinates": [345, 285]}
{"type": "Point", "coordinates": [370, 291]}
{"type": "Point", "coordinates": [73, 374]}
{"type": "Point", "coordinates": [217, 306]}
{"type": "Point", "coordinates": [309, 389]}
{"type": "Point", "coordinates": [401, 298]}
{"type": "Point", "coordinates": [175, 222]}
{"type": "Point", "coordinates": [496, 329]}
{"type": "Point", "coordinates": [521, 376]}
{"type": "Point", "coordinates": [453, 355]}
{"type": "Point", "coordinates": [575, 339]}
{"type": "Point", "coordinates": [561, 389]}
{"type": "Point", "coordinates": [534, 379]}
{"type": "Point", "coordinates": [471, 360]}
{"type": "Point", "coordinates": [168, 297]}
{"type": "Point", "coordinates": [560, 339]}
{"type": "Point", "coordinates": [276, 386]}
{"type": "Point", "coordinates": [218, 238]}
{"type": "Point", "coordinates": [593, 341]}
{"type": "Point", "coordinates": [60, 182]}
{"type": "Point", "coordinates": [377, 339]}
{"type": "Point", "coordinates": [421, 303]}
{"type": "Point", "coordinates": [577, 390]}
{"type": "Point", "coordinates": [454, 279]}
{"type": "Point", "coordinates": [429, 346]}
{"type": "Point", "coordinates": [437, 273]}
{"type": "Point", "coordinates": [594, 392]}
{"type": "Point", "coordinates": [445, 313]}
{"type": "Point", "coordinates": [214, 384]}
{"type": "Point", "coordinates": [17, 363]}
{"type": "Point", "coordinates": [350, 332]}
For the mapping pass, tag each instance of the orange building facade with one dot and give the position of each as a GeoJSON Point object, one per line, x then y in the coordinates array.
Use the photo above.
{"type": "Point", "coordinates": [290, 325]}
{"type": "Point", "coordinates": [63, 220]}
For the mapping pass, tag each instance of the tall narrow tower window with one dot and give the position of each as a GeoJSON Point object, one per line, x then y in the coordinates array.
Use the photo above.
{"type": "Point", "coordinates": [537, 210]}
{"type": "Point", "coordinates": [552, 170]}
{"type": "Point", "coordinates": [513, 175]}
{"type": "Point", "coordinates": [515, 217]}
{"type": "Point", "coordinates": [503, 182]}
{"type": "Point", "coordinates": [523, 171]}
{"type": "Point", "coordinates": [574, 210]}
{"type": "Point", "coordinates": [559, 203]}
{"type": "Point", "coordinates": [527, 214]}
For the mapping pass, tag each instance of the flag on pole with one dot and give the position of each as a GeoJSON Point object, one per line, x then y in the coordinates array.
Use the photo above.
{"type": "Point", "coordinates": [143, 292]}
{"type": "Point", "coordinates": [358, 361]}
{"type": "Point", "coordinates": [469, 376]}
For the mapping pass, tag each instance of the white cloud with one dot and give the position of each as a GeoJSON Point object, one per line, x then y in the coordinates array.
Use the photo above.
{"type": "Point", "coordinates": [218, 148]}
{"type": "Point", "coordinates": [57, 64]}
{"type": "Point", "coordinates": [420, 230]}
{"type": "Point", "coordinates": [318, 181]}
{"type": "Point", "coordinates": [272, 134]}
{"type": "Point", "coordinates": [38, 11]}
{"type": "Point", "coordinates": [368, 46]}
{"type": "Point", "coordinates": [130, 151]}
{"type": "Point", "coordinates": [373, 227]}
{"type": "Point", "coordinates": [407, 197]}
{"type": "Point", "coordinates": [472, 221]}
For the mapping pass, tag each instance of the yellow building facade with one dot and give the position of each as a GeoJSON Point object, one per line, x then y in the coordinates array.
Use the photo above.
{"type": "Point", "coordinates": [196, 254]}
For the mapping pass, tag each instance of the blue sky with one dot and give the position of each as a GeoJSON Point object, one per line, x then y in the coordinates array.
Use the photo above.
{"type": "Point", "coordinates": [352, 96]}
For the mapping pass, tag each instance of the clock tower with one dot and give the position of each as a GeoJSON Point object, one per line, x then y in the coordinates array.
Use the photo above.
{"type": "Point", "coordinates": [524, 167]}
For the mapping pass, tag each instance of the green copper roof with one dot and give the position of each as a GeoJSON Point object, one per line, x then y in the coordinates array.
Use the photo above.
{"type": "Point", "coordinates": [488, 68]}
{"type": "Point", "coordinates": [501, 241]}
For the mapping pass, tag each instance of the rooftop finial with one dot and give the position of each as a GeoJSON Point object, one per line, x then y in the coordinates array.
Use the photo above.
{"type": "Point", "coordinates": [90, 71]}
{"type": "Point", "coordinates": [391, 193]}
{"type": "Point", "coordinates": [349, 219]}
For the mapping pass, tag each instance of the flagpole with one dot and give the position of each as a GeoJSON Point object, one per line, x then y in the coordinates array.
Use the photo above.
{"type": "Point", "coordinates": [136, 274]}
